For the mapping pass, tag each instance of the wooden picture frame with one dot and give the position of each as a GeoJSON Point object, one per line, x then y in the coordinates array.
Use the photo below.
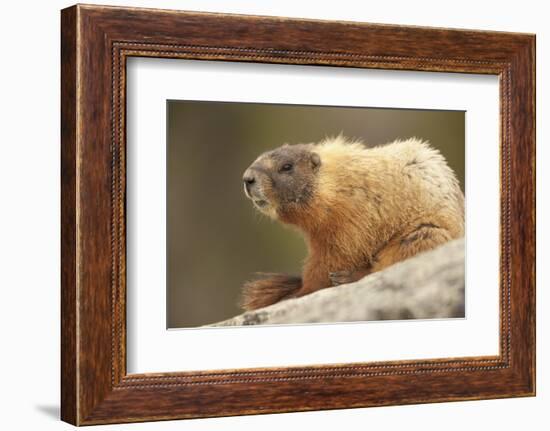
{"type": "Point", "coordinates": [95, 43]}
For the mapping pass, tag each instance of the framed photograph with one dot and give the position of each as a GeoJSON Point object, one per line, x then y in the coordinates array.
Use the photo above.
{"type": "Point", "coordinates": [329, 214]}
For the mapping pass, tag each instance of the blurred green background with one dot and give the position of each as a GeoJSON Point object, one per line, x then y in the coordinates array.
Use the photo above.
{"type": "Point", "coordinates": [216, 240]}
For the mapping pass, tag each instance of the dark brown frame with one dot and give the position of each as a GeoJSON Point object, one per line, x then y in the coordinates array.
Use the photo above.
{"type": "Point", "coordinates": [95, 43]}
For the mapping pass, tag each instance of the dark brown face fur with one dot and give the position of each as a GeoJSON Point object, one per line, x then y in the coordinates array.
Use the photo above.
{"type": "Point", "coordinates": [282, 180]}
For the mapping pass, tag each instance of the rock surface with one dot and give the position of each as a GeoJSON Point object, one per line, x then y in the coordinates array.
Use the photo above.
{"type": "Point", "coordinates": [427, 286]}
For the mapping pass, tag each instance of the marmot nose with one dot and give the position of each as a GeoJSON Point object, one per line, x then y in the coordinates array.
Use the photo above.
{"type": "Point", "coordinates": [249, 178]}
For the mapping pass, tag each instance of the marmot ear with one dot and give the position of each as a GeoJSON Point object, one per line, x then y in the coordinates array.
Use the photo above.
{"type": "Point", "coordinates": [315, 161]}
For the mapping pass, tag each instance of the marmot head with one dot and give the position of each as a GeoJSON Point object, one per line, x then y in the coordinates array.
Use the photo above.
{"type": "Point", "coordinates": [282, 181]}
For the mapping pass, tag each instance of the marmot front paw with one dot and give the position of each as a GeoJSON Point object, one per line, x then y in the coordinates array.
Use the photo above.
{"type": "Point", "coordinates": [341, 277]}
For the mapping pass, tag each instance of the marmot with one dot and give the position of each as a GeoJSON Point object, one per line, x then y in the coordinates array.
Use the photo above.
{"type": "Point", "coordinates": [361, 209]}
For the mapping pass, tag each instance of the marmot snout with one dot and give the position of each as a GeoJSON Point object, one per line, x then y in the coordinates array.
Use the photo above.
{"type": "Point", "coordinates": [360, 209]}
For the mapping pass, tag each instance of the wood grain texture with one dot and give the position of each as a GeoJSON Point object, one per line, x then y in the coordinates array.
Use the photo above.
{"type": "Point", "coordinates": [96, 41]}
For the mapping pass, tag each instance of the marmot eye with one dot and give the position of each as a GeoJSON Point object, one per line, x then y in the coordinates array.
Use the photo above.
{"type": "Point", "coordinates": [286, 167]}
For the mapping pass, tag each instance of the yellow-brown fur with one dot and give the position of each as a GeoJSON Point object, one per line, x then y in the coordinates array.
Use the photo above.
{"type": "Point", "coordinates": [363, 209]}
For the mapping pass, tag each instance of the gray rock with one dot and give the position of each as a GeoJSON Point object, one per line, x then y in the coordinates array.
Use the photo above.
{"type": "Point", "coordinates": [427, 286]}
